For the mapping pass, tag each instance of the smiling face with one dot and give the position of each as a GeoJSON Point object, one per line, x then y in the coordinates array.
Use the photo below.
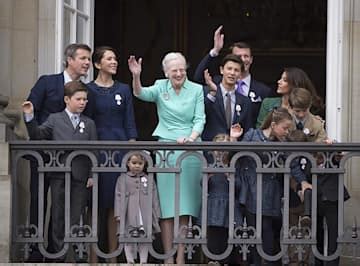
{"type": "Point", "coordinates": [246, 57]}
{"type": "Point", "coordinates": [108, 63]}
{"type": "Point", "coordinates": [175, 71]}
{"type": "Point", "coordinates": [231, 73]}
{"type": "Point", "coordinates": [283, 85]}
{"type": "Point", "coordinates": [79, 64]}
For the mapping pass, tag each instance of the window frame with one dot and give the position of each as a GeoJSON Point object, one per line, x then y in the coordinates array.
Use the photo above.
{"type": "Point", "coordinates": [88, 28]}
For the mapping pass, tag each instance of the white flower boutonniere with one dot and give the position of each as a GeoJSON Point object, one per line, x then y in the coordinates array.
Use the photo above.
{"type": "Point", "coordinates": [118, 99]}
{"type": "Point", "coordinates": [252, 95]}
{"type": "Point", "coordinates": [81, 126]}
{"type": "Point", "coordinates": [238, 109]}
{"type": "Point", "coordinates": [303, 163]}
{"type": "Point", "coordinates": [144, 181]}
{"type": "Point", "coordinates": [306, 131]}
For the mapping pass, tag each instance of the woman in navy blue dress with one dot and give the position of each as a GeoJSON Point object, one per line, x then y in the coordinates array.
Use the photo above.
{"type": "Point", "coordinates": [111, 107]}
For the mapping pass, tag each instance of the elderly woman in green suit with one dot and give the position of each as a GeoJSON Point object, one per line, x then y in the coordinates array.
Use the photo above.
{"type": "Point", "coordinates": [292, 77]}
{"type": "Point", "coordinates": [180, 108]}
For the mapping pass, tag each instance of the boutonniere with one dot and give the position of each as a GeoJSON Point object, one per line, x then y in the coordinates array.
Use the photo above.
{"type": "Point", "coordinates": [238, 109]}
{"type": "Point", "coordinates": [252, 95]}
{"type": "Point", "coordinates": [166, 96]}
{"type": "Point", "coordinates": [303, 163]}
{"type": "Point", "coordinates": [81, 126]}
{"type": "Point", "coordinates": [118, 99]}
{"type": "Point", "coordinates": [144, 181]}
{"type": "Point", "coordinates": [306, 131]}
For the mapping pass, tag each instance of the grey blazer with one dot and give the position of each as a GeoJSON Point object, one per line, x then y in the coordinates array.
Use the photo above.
{"type": "Point", "coordinates": [58, 126]}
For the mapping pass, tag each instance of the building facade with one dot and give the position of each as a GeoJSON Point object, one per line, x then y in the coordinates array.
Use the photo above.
{"type": "Point", "coordinates": [33, 34]}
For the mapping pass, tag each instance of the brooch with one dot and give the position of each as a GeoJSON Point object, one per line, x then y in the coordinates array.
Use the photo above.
{"type": "Point", "coordinates": [81, 126]}
{"type": "Point", "coordinates": [303, 163]}
{"type": "Point", "coordinates": [306, 131]}
{"type": "Point", "coordinates": [238, 109]}
{"type": "Point", "coordinates": [144, 181]}
{"type": "Point", "coordinates": [118, 99]}
{"type": "Point", "coordinates": [166, 96]}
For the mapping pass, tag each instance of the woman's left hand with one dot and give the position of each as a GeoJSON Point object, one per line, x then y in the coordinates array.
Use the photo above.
{"type": "Point", "coordinates": [183, 140]}
{"type": "Point", "coordinates": [134, 66]}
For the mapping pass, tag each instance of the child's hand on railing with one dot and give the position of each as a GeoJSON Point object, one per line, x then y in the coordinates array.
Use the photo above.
{"type": "Point", "coordinates": [89, 183]}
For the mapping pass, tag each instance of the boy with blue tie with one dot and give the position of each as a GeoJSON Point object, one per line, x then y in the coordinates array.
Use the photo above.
{"type": "Point", "coordinates": [69, 124]}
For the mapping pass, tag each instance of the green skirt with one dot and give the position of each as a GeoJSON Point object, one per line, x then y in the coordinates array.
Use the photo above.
{"type": "Point", "coordinates": [190, 188]}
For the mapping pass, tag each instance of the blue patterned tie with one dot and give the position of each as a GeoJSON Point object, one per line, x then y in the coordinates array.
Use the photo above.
{"type": "Point", "coordinates": [74, 120]}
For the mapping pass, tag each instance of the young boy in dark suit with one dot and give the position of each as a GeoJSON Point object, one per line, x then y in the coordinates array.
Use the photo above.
{"type": "Point", "coordinates": [69, 124]}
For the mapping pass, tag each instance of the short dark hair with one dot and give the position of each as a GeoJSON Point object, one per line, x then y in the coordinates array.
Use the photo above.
{"type": "Point", "coordinates": [240, 45]}
{"type": "Point", "coordinates": [99, 52]}
{"type": "Point", "coordinates": [71, 49]}
{"type": "Point", "coordinates": [73, 87]}
{"type": "Point", "coordinates": [300, 98]}
{"type": "Point", "coordinates": [233, 58]}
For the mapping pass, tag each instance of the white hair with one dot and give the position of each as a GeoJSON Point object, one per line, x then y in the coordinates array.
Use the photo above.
{"type": "Point", "coordinates": [170, 57]}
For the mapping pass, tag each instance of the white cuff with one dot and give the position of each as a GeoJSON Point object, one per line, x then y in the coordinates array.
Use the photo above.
{"type": "Point", "coordinates": [210, 97]}
{"type": "Point", "coordinates": [28, 117]}
{"type": "Point", "coordinates": [213, 53]}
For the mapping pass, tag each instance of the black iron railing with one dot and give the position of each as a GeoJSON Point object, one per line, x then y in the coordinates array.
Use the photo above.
{"type": "Point", "coordinates": [268, 158]}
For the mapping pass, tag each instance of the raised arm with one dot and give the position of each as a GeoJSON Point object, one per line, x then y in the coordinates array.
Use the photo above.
{"type": "Point", "coordinates": [218, 42]}
{"type": "Point", "coordinates": [135, 69]}
{"type": "Point", "coordinates": [209, 58]}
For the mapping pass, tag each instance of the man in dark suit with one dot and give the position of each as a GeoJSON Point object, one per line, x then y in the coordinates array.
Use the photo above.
{"type": "Point", "coordinates": [220, 117]}
{"type": "Point", "coordinates": [69, 124]}
{"type": "Point", "coordinates": [256, 91]}
{"type": "Point", "coordinates": [47, 97]}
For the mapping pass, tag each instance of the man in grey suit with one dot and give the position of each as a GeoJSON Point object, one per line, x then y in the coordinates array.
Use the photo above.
{"type": "Point", "coordinates": [69, 124]}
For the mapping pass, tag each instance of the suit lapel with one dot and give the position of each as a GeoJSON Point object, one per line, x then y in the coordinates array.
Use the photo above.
{"type": "Point", "coordinates": [67, 120]}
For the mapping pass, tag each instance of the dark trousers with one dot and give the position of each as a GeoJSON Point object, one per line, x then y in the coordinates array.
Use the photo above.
{"type": "Point", "coordinates": [269, 236]}
{"type": "Point", "coordinates": [218, 242]}
{"type": "Point", "coordinates": [78, 202]}
{"type": "Point", "coordinates": [329, 210]}
{"type": "Point", "coordinates": [217, 239]}
{"type": "Point", "coordinates": [35, 255]}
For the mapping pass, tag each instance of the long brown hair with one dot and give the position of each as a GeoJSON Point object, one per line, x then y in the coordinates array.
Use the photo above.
{"type": "Point", "coordinates": [297, 78]}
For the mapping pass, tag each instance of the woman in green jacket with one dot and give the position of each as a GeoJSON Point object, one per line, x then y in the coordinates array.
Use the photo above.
{"type": "Point", "coordinates": [292, 77]}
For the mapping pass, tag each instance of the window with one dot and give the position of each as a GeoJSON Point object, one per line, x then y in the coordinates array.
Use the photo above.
{"type": "Point", "coordinates": [74, 23]}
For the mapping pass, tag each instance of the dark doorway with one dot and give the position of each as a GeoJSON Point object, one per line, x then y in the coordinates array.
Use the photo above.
{"type": "Point", "coordinates": [282, 33]}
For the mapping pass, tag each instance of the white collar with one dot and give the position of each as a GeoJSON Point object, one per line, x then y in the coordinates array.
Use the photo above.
{"type": "Point", "coordinates": [224, 91]}
{"type": "Point", "coordinates": [67, 77]}
{"type": "Point", "coordinates": [70, 114]}
{"type": "Point", "coordinates": [247, 80]}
